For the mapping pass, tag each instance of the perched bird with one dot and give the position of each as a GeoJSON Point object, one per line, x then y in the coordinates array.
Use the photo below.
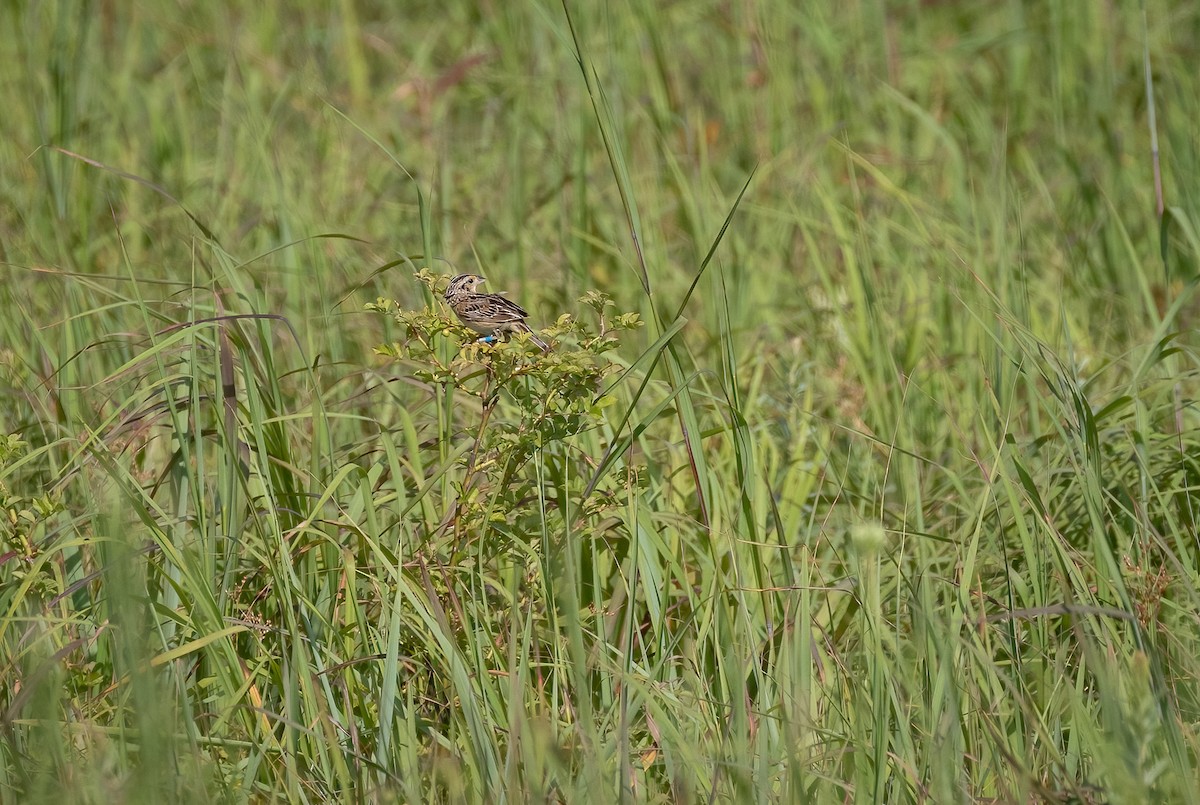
{"type": "Point", "coordinates": [489, 314]}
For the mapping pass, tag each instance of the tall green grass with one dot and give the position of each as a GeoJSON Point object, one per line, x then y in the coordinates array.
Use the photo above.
{"type": "Point", "coordinates": [892, 499]}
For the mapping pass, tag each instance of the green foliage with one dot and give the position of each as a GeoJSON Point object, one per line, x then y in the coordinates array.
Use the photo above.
{"type": "Point", "coordinates": [529, 404]}
{"type": "Point", "coordinates": [23, 531]}
{"type": "Point", "coordinates": [891, 498]}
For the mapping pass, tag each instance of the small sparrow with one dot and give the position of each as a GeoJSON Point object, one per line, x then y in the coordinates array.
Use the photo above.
{"type": "Point", "coordinates": [489, 314]}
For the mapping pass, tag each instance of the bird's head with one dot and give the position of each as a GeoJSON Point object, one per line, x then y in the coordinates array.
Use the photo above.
{"type": "Point", "coordinates": [463, 283]}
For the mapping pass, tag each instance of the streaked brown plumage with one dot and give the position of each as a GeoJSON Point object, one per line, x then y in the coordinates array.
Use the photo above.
{"type": "Point", "coordinates": [488, 314]}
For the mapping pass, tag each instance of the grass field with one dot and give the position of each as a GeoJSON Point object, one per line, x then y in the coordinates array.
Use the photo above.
{"type": "Point", "coordinates": [865, 467]}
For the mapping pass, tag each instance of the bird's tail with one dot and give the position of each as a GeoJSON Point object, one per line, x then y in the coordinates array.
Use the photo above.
{"type": "Point", "coordinates": [532, 337]}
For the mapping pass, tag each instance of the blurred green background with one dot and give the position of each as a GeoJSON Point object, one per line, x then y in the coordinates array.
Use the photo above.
{"type": "Point", "coordinates": [893, 498]}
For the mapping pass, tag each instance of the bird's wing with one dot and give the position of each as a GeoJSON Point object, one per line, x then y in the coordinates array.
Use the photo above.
{"type": "Point", "coordinates": [489, 307]}
{"type": "Point", "coordinates": [506, 307]}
